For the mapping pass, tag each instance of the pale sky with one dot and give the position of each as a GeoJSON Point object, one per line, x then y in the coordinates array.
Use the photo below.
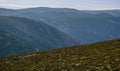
{"type": "Point", "coordinates": [77, 4]}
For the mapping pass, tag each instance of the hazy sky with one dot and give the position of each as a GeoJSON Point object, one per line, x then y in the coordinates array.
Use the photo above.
{"type": "Point", "coordinates": [78, 4]}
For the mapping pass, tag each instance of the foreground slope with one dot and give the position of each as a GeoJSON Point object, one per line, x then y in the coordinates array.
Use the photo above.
{"type": "Point", "coordinates": [102, 56]}
{"type": "Point", "coordinates": [37, 34]}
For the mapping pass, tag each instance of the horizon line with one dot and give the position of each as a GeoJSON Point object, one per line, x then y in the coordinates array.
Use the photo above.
{"type": "Point", "coordinates": [61, 8]}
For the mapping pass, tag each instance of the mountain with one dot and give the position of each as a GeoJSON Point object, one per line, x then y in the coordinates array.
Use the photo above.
{"type": "Point", "coordinates": [10, 45]}
{"type": "Point", "coordinates": [5, 11]}
{"type": "Point", "coordinates": [111, 12]}
{"type": "Point", "coordinates": [83, 26]}
{"type": "Point", "coordinates": [26, 35]}
{"type": "Point", "coordinates": [100, 56]}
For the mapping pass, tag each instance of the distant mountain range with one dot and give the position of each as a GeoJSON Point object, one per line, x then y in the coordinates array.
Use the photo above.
{"type": "Point", "coordinates": [83, 26]}
{"type": "Point", "coordinates": [20, 35]}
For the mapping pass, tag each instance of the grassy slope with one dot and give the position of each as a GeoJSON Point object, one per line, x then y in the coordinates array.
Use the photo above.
{"type": "Point", "coordinates": [102, 56]}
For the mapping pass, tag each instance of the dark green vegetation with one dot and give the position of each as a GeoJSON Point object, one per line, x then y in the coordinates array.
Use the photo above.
{"type": "Point", "coordinates": [83, 26]}
{"type": "Point", "coordinates": [20, 35]}
{"type": "Point", "coordinates": [10, 45]}
{"type": "Point", "coordinates": [102, 56]}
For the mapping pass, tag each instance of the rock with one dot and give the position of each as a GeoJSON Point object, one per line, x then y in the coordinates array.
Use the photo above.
{"type": "Point", "coordinates": [78, 64]}
{"type": "Point", "coordinates": [117, 59]}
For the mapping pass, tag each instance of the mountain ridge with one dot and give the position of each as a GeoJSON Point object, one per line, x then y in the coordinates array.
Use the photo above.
{"type": "Point", "coordinates": [76, 23]}
{"type": "Point", "coordinates": [38, 34]}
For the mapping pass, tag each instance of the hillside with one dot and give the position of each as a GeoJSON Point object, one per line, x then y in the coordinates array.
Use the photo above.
{"type": "Point", "coordinates": [82, 25]}
{"type": "Point", "coordinates": [10, 45]}
{"type": "Point", "coordinates": [101, 56]}
{"type": "Point", "coordinates": [38, 35]}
